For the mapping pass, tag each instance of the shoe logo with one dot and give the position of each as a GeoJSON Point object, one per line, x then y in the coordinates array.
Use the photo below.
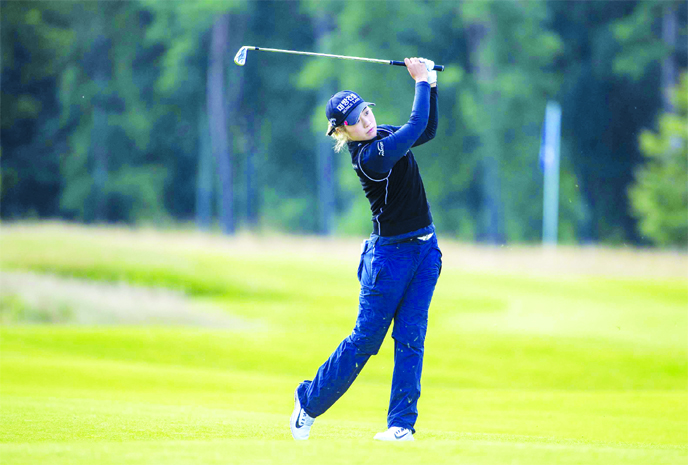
{"type": "Point", "coordinates": [400, 433]}
{"type": "Point", "coordinates": [300, 419]}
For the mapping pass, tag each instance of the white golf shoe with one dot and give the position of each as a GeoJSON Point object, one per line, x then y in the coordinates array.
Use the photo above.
{"type": "Point", "coordinates": [395, 433]}
{"type": "Point", "coordinates": [300, 422]}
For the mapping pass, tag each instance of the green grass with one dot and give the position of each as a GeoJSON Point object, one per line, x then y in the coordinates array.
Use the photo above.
{"type": "Point", "coordinates": [518, 369]}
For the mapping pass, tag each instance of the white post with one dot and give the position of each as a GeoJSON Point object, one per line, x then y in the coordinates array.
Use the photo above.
{"type": "Point", "coordinates": [550, 162]}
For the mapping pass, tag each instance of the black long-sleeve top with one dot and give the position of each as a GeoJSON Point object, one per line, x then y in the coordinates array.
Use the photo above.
{"type": "Point", "coordinates": [388, 170]}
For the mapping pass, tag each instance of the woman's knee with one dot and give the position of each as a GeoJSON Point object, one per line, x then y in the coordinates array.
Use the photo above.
{"type": "Point", "coordinates": [366, 344]}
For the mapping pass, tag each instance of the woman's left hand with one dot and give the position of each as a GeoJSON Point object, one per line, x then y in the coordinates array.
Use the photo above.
{"type": "Point", "coordinates": [432, 74]}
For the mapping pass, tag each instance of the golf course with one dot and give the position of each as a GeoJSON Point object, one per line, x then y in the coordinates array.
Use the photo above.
{"type": "Point", "coordinates": [141, 346]}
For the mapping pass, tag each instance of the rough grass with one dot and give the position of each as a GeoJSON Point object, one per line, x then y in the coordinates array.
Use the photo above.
{"type": "Point", "coordinates": [520, 367]}
{"type": "Point", "coordinates": [44, 298]}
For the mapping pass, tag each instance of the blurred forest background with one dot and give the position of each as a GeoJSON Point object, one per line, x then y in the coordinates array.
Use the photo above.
{"type": "Point", "coordinates": [134, 112]}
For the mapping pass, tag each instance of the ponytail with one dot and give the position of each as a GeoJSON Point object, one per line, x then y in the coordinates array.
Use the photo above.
{"type": "Point", "coordinates": [340, 136]}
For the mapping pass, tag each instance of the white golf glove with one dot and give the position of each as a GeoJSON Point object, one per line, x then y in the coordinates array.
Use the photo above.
{"type": "Point", "coordinates": [432, 74]}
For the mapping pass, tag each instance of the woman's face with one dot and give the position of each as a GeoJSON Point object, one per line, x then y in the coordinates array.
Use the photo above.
{"type": "Point", "coordinates": [365, 128]}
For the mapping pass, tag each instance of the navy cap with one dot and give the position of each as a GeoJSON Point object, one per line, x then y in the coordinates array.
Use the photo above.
{"type": "Point", "coordinates": [345, 107]}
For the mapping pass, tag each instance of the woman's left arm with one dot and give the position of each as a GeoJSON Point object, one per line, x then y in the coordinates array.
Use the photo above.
{"type": "Point", "coordinates": [431, 128]}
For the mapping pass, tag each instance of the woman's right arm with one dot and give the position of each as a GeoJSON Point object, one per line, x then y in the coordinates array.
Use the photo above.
{"type": "Point", "coordinates": [380, 156]}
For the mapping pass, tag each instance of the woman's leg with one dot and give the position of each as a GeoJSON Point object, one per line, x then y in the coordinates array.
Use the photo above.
{"type": "Point", "coordinates": [335, 376]}
{"type": "Point", "coordinates": [410, 326]}
{"type": "Point", "coordinates": [383, 282]}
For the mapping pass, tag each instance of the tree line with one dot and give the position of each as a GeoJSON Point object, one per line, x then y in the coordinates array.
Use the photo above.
{"type": "Point", "coordinates": [133, 112]}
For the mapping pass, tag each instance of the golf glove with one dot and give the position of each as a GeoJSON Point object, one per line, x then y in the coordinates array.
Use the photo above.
{"type": "Point", "coordinates": [432, 74]}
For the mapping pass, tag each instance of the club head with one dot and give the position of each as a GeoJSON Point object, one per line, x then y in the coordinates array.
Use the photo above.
{"type": "Point", "coordinates": [240, 58]}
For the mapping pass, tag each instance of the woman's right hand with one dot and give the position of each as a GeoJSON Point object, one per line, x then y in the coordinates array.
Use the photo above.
{"type": "Point", "coordinates": [416, 69]}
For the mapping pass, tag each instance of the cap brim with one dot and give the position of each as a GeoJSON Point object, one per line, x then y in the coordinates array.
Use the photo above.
{"type": "Point", "coordinates": [352, 118]}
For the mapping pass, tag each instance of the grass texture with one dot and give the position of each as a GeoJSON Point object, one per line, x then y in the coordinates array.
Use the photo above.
{"type": "Point", "coordinates": [519, 369]}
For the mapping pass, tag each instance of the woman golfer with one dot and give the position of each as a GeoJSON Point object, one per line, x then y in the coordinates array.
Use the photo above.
{"type": "Point", "coordinates": [400, 263]}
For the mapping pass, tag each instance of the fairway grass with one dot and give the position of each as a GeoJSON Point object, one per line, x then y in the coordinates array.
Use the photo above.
{"type": "Point", "coordinates": [519, 369]}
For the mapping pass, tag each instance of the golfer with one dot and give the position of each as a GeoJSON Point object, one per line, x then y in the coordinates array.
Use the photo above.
{"type": "Point", "coordinates": [400, 263]}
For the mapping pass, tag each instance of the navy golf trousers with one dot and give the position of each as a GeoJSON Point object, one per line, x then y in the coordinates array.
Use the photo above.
{"type": "Point", "coordinates": [398, 276]}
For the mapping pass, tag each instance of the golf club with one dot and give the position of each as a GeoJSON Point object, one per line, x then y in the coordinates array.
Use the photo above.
{"type": "Point", "coordinates": [240, 58]}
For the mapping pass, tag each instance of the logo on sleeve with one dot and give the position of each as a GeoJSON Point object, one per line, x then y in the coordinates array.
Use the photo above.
{"type": "Point", "coordinates": [380, 149]}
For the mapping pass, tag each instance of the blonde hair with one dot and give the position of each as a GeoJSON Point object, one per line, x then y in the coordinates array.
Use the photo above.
{"type": "Point", "coordinates": [340, 136]}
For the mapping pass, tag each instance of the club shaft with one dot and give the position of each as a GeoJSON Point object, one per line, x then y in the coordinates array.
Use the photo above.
{"type": "Point", "coordinates": [341, 57]}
